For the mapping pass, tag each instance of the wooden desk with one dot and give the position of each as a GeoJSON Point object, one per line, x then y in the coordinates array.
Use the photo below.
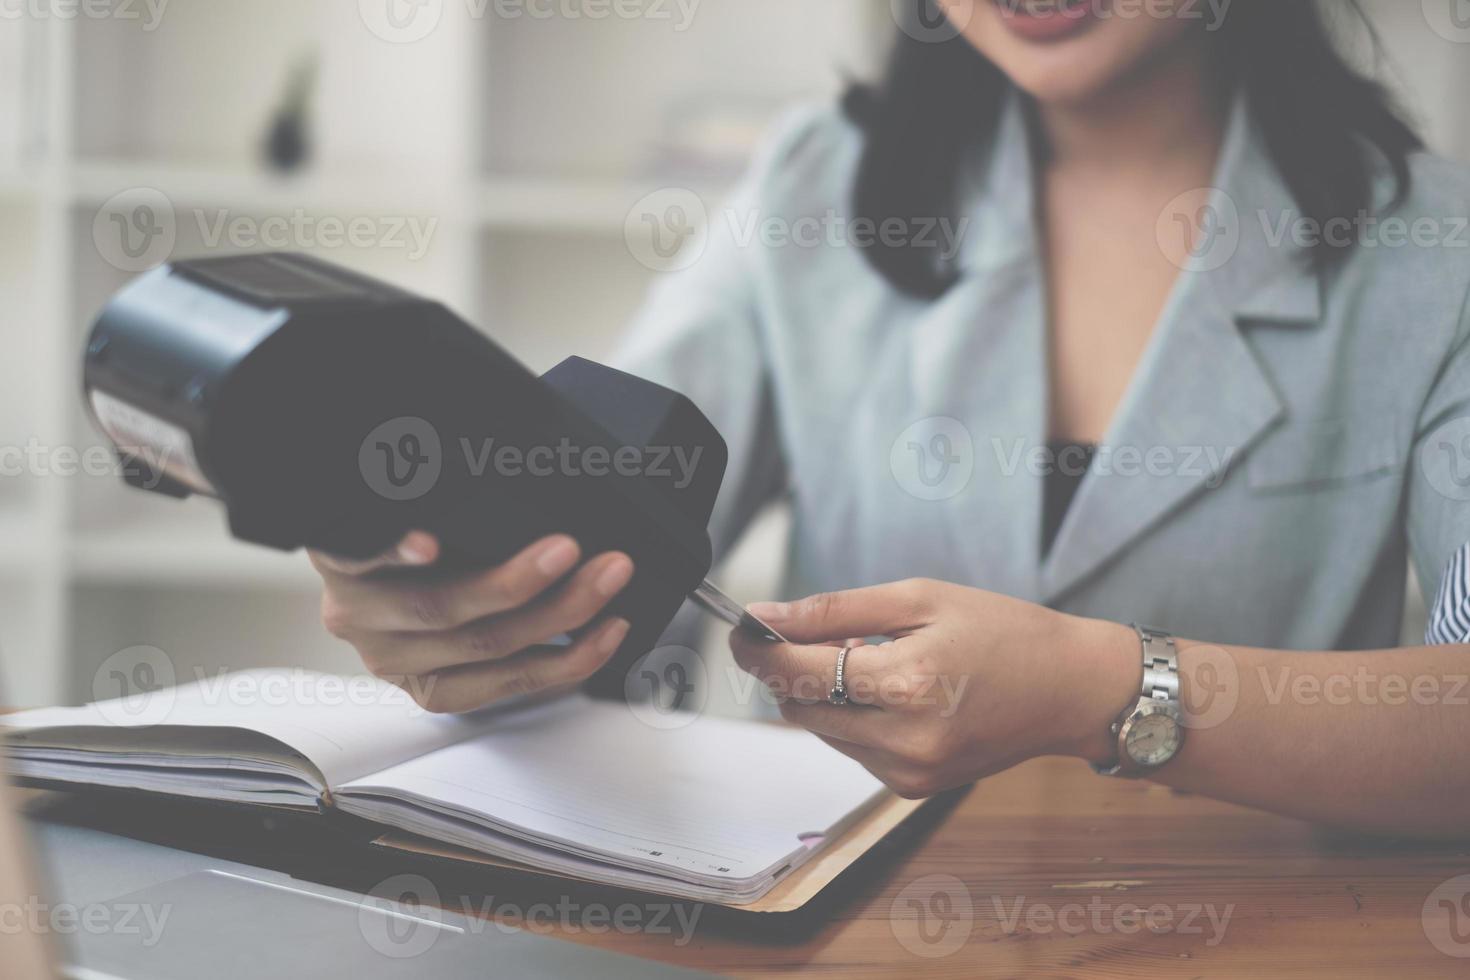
{"type": "Point", "coordinates": [1044, 871]}
{"type": "Point", "coordinates": [1075, 855]}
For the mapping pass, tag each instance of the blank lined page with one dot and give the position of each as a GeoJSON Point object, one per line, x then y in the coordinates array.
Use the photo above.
{"type": "Point", "coordinates": [713, 799]}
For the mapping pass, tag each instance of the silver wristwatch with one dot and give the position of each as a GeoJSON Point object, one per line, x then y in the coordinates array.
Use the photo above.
{"type": "Point", "coordinates": [1151, 732]}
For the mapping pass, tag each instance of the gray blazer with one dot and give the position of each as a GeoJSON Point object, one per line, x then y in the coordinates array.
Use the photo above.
{"type": "Point", "coordinates": [1288, 442]}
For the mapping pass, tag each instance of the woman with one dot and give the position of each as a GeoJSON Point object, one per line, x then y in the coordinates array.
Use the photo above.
{"type": "Point", "coordinates": [1125, 397]}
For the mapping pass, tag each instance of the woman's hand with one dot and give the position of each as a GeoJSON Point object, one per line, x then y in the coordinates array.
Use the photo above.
{"type": "Point", "coordinates": [457, 644]}
{"type": "Point", "coordinates": [969, 684]}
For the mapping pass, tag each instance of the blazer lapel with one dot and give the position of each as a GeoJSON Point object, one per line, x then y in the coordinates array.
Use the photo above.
{"type": "Point", "coordinates": [1201, 397]}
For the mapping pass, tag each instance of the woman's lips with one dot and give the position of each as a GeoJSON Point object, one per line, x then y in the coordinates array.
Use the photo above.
{"type": "Point", "coordinates": [1047, 20]}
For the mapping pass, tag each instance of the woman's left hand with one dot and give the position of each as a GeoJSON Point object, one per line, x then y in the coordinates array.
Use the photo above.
{"type": "Point", "coordinates": [969, 683]}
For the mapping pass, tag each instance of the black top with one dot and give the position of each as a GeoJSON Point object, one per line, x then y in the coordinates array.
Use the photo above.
{"type": "Point", "coordinates": [1070, 462]}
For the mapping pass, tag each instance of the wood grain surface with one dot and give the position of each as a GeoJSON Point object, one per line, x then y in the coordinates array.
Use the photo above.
{"type": "Point", "coordinates": [1050, 871]}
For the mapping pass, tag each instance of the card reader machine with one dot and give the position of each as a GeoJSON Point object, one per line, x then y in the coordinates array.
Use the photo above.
{"type": "Point", "coordinates": [331, 411]}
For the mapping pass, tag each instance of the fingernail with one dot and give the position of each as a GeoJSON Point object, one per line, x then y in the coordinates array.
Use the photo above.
{"type": "Point", "coordinates": [612, 636]}
{"type": "Point", "coordinates": [414, 550]}
{"type": "Point", "coordinates": [614, 577]}
{"type": "Point", "coordinates": [558, 558]}
{"type": "Point", "coordinates": [770, 610]}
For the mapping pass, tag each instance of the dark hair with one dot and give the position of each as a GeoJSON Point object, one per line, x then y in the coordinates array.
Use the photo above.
{"type": "Point", "coordinates": [938, 99]}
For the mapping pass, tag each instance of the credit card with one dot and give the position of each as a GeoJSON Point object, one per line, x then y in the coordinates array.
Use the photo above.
{"type": "Point", "coordinates": [724, 608]}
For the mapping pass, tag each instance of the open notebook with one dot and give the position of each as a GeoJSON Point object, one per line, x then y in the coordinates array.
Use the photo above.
{"type": "Point", "coordinates": [714, 810]}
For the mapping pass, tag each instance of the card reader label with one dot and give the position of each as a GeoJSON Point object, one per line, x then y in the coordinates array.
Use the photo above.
{"type": "Point", "coordinates": [161, 444]}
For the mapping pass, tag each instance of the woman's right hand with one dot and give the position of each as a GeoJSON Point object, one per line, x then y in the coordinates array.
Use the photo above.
{"type": "Point", "coordinates": [456, 644]}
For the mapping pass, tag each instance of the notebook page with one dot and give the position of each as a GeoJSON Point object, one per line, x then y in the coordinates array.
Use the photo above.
{"type": "Point", "coordinates": [714, 800]}
{"type": "Point", "coordinates": [346, 726]}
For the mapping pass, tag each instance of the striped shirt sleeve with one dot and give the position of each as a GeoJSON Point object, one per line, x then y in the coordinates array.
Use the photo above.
{"type": "Point", "coordinates": [1449, 620]}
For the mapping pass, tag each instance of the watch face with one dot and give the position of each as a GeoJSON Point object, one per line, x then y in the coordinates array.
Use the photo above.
{"type": "Point", "coordinates": [1153, 739]}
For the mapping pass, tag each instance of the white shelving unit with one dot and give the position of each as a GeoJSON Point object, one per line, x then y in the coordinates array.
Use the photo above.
{"type": "Point", "coordinates": [524, 141]}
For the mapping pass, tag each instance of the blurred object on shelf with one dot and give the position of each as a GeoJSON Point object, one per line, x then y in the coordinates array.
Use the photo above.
{"type": "Point", "coordinates": [288, 143]}
{"type": "Point", "coordinates": [709, 137]}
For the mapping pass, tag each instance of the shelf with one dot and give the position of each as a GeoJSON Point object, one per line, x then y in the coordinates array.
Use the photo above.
{"type": "Point", "coordinates": [165, 556]}
{"type": "Point", "coordinates": [93, 183]}
{"type": "Point", "coordinates": [590, 206]}
{"type": "Point", "coordinates": [514, 202]}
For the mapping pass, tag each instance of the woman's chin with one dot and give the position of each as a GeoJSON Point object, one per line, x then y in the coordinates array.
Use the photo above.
{"type": "Point", "coordinates": [1071, 68]}
{"type": "Point", "coordinates": [1061, 85]}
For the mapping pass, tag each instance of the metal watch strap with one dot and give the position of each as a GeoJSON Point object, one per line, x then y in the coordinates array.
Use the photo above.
{"type": "Point", "coordinates": [1160, 683]}
{"type": "Point", "coordinates": [1160, 664]}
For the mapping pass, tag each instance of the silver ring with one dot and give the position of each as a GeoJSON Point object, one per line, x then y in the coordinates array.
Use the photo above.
{"type": "Point", "coordinates": [838, 696]}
